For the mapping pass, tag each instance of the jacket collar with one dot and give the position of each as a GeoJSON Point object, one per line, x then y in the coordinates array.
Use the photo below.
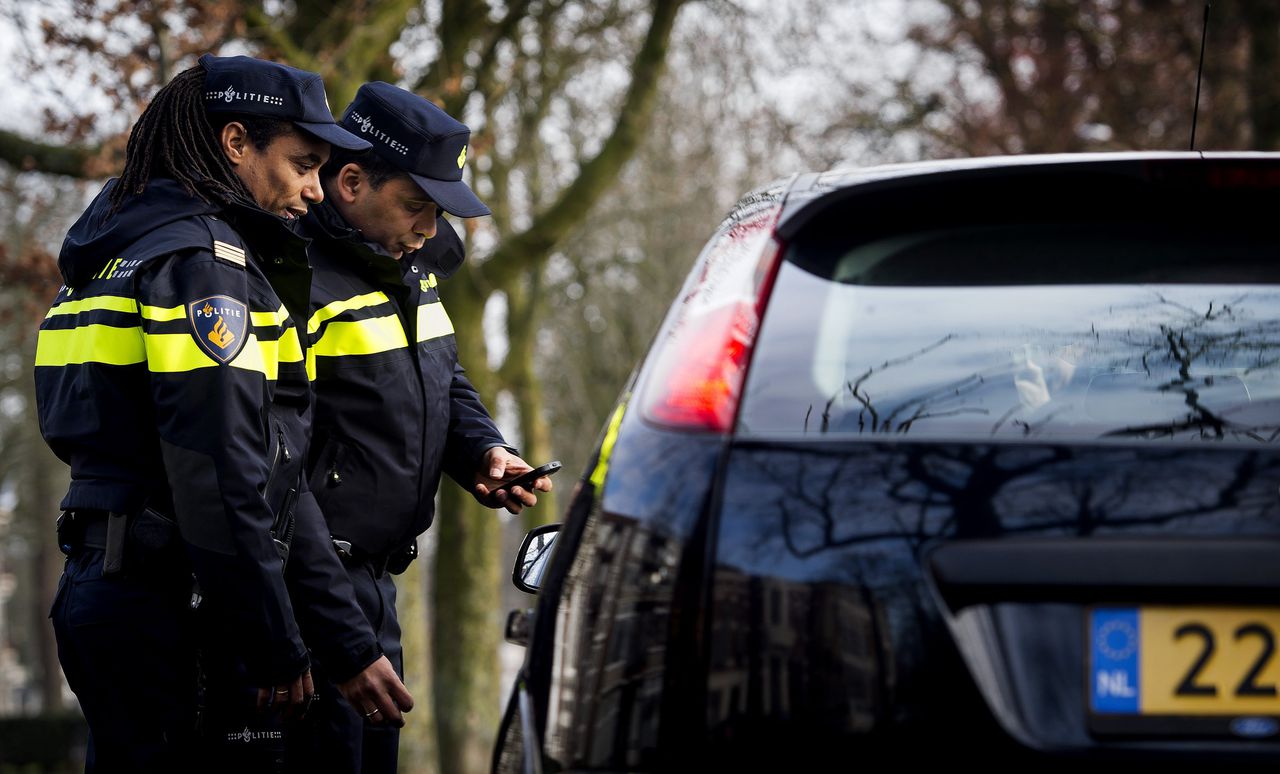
{"type": "Point", "coordinates": [273, 239]}
{"type": "Point", "coordinates": [328, 228]}
{"type": "Point", "coordinates": [442, 254]}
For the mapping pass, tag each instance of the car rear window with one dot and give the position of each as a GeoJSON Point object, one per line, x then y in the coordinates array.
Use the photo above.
{"type": "Point", "coordinates": [1162, 330]}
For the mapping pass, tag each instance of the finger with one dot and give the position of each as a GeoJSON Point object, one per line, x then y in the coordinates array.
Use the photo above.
{"type": "Point", "coordinates": [373, 715]}
{"type": "Point", "coordinates": [394, 700]}
{"type": "Point", "coordinates": [513, 504]}
{"type": "Point", "coordinates": [489, 498]}
{"type": "Point", "coordinates": [524, 496]}
{"type": "Point", "coordinates": [401, 696]}
{"type": "Point", "coordinates": [543, 484]}
{"type": "Point", "coordinates": [308, 686]}
{"type": "Point", "coordinates": [283, 698]}
{"type": "Point", "coordinates": [390, 712]}
{"type": "Point", "coordinates": [276, 697]}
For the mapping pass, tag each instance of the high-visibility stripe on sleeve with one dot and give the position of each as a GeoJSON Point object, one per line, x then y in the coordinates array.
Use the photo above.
{"type": "Point", "coordinates": [361, 337]}
{"type": "Point", "coordinates": [90, 344]}
{"type": "Point", "coordinates": [329, 311]}
{"type": "Point", "coordinates": [164, 313]}
{"type": "Point", "coordinates": [260, 356]}
{"type": "Point", "coordinates": [95, 303]}
{"type": "Point", "coordinates": [178, 353]}
{"type": "Point", "coordinates": [433, 322]}
{"type": "Point", "coordinates": [167, 314]}
{"type": "Point", "coordinates": [169, 353]}
{"type": "Point", "coordinates": [264, 319]}
{"type": "Point", "coordinates": [290, 347]}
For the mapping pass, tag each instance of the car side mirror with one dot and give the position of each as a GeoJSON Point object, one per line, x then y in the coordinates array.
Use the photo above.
{"type": "Point", "coordinates": [531, 559]}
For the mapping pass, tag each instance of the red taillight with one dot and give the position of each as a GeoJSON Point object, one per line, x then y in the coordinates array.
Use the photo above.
{"type": "Point", "coordinates": [706, 347]}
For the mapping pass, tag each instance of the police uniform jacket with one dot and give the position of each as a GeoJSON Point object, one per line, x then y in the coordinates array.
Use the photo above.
{"type": "Point", "coordinates": [393, 407]}
{"type": "Point", "coordinates": [170, 374]}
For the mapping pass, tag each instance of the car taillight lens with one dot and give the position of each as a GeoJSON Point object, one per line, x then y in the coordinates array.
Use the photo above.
{"type": "Point", "coordinates": [706, 343]}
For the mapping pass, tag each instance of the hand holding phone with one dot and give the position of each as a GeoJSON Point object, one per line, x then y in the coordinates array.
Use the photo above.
{"type": "Point", "coordinates": [525, 480]}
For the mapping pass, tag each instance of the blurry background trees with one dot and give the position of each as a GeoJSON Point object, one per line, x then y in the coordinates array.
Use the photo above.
{"type": "Point", "coordinates": [609, 137]}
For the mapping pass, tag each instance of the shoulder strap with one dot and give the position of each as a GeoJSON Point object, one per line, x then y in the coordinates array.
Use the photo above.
{"type": "Point", "coordinates": [226, 244]}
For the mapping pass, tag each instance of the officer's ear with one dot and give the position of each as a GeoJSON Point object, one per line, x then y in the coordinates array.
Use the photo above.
{"type": "Point", "coordinates": [352, 183]}
{"type": "Point", "coordinates": [234, 141]}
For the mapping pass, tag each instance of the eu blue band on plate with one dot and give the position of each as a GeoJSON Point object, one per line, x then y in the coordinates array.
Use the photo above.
{"type": "Point", "coordinates": [1114, 644]}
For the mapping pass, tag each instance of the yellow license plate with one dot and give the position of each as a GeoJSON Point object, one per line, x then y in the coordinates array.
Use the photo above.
{"type": "Point", "coordinates": [1184, 661]}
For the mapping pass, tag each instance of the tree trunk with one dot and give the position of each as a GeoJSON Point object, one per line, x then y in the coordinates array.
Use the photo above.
{"type": "Point", "coordinates": [1263, 22]}
{"type": "Point", "coordinates": [521, 379]}
{"type": "Point", "coordinates": [41, 489]}
{"type": "Point", "coordinates": [465, 631]}
{"type": "Point", "coordinates": [419, 752]}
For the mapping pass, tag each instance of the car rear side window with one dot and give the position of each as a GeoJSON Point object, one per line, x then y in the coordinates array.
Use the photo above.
{"type": "Point", "coordinates": [1055, 331]}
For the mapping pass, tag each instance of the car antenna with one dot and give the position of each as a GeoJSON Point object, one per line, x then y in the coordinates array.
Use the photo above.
{"type": "Point", "coordinates": [1195, 110]}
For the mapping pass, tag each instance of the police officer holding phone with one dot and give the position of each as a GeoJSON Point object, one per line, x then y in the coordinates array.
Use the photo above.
{"type": "Point", "coordinates": [393, 407]}
{"type": "Point", "coordinates": [170, 376]}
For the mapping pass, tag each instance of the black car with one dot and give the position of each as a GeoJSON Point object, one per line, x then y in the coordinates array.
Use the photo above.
{"type": "Point", "coordinates": [954, 461]}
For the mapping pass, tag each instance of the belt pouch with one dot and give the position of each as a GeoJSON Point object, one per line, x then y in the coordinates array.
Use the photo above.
{"type": "Point", "coordinates": [113, 557]}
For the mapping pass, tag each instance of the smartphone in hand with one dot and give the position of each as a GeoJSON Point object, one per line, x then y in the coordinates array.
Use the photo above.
{"type": "Point", "coordinates": [525, 480]}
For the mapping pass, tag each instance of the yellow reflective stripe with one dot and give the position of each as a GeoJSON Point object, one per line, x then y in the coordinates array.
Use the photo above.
{"type": "Point", "coordinates": [164, 313]}
{"type": "Point", "coordinates": [329, 311]}
{"type": "Point", "coordinates": [178, 352]}
{"type": "Point", "coordinates": [311, 364]}
{"type": "Point", "coordinates": [105, 303]}
{"type": "Point", "coordinates": [265, 319]}
{"type": "Point", "coordinates": [175, 353]}
{"type": "Point", "coordinates": [90, 344]}
{"type": "Point", "coordinates": [606, 448]}
{"type": "Point", "coordinates": [361, 337]}
{"type": "Point", "coordinates": [290, 348]}
{"type": "Point", "coordinates": [433, 322]}
{"type": "Point", "coordinates": [260, 356]}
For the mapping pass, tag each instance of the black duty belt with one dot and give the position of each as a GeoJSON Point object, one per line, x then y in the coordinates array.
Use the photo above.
{"type": "Point", "coordinates": [150, 539]}
{"type": "Point", "coordinates": [394, 562]}
{"type": "Point", "coordinates": [90, 528]}
{"type": "Point", "coordinates": [86, 528]}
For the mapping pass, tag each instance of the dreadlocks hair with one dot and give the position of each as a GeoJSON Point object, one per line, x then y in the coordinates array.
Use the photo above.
{"type": "Point", "coordinates": [173, 138]}
{"type": "Point", "coordinates": [377, 169]}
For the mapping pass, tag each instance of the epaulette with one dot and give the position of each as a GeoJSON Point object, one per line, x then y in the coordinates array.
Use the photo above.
{"type": "Point", "coordinates": [227, 245]}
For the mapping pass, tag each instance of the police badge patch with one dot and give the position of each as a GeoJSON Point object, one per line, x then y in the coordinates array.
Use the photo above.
{"type": "Point", "coordinates": [219, 325]}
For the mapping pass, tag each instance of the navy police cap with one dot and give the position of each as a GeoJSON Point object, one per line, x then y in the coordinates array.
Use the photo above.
{"type": "Point", "coordinates": [419, 138]}
{"type": "Point", "coordinates": [248, 86]}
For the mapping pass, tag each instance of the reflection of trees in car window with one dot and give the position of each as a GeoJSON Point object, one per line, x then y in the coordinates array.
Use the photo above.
{"type": "Point", "coordinates": [1156, 362]}
{"type": "Point", "coordinates": [861, 514]}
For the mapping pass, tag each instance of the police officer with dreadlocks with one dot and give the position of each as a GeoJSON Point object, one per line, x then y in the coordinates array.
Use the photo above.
{"type": "Point", "coordinates": [393, 407]}
{"type": "Point", "coordinates": [170, 375]}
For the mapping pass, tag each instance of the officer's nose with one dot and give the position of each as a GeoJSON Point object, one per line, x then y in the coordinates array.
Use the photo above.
{"type": "Point", "coordinates": [311, 190]}
{"type": "Point", "coordinates": [426, 225]}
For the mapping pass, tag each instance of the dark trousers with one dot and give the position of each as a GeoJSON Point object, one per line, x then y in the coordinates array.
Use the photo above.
{"type": "Point", "coordinates": [334, 737]}
{"type": "Point", "coordinates": [133, 650]}
{"type": "Point", "coordinates": [127, 647]}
